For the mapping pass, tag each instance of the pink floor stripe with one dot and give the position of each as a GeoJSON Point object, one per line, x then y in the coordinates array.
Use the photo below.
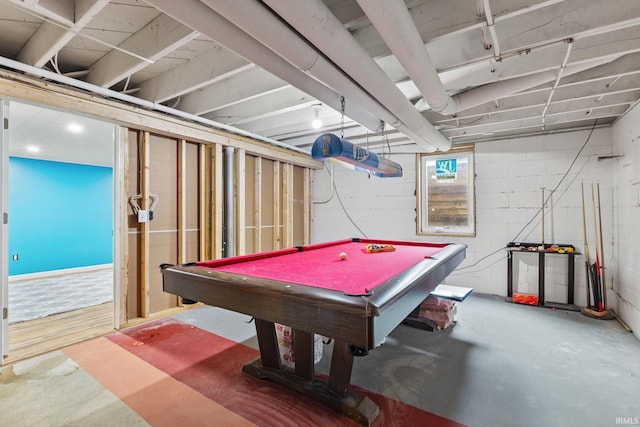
{"type": "Point", "coordinates": [158, 398]}
{"type": "Point", "coordinates": [212, 365]}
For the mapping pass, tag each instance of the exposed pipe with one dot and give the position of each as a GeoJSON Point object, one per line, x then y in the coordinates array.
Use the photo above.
{"type": "Point", "coordinates": [392, 20]}
{"type": "Point", "coordinates": [201, 18]}
{"type": "Point", "coordinates": [108, 93]}
{"type": "Point", "coordinates": [492, 29]}
{"type": "Point", "coordinates": [491, 92]}
{"type": "Point", "coordinates": [513, 53]}
{"type": "Point", "coordinates": [229, 240]}
{"type": "Point", "coordinates": [260, 23]}
{"type": "Point", "coordinates": [314, 20]}
{"type": "Point", "coordinates": [563, 66]}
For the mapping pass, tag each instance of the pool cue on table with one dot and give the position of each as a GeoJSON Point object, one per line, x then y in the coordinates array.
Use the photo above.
{"type": "Point", "coordinates": [603, 274]}
{"type": "Point", "coordinates": [587, 261]}
{"type": "Point", "coordinates": [599, 307]}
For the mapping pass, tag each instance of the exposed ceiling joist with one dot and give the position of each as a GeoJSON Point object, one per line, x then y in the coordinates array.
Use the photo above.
{"type": "Point", "coordinates": [560, 64]}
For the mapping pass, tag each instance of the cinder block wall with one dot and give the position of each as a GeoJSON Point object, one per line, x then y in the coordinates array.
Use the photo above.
{"type": "Point", "coordinates": [510, 174]}
{"type": "Point", "coordinates": [626, 216]}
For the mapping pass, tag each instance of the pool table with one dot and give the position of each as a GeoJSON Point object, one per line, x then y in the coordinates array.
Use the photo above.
{"type": "Point", "coordinates": [356, 301]}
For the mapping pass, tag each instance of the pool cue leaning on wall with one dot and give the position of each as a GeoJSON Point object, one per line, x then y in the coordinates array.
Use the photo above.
{"type": "Point", "coordinates": [587, 257]}
{"type": "Point", "coordinates": [596, 266]}
{"type": "Point", "coordinates": [603, 270]}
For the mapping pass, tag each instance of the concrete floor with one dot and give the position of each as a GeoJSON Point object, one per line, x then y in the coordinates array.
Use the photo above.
{"type": "Point", "coordinates": [512, 365]}
{"type": "Point", "coordinates": [500, 365]}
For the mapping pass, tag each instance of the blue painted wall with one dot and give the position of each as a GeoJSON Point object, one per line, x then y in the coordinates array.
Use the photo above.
{"type": "Point", "coordinates": [60, 215]}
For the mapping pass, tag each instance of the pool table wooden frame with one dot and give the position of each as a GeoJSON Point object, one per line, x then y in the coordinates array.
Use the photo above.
{"type": "Point", "coordinates": [355, 323]}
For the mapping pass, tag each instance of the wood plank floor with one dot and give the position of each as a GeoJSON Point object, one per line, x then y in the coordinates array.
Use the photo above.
{"type": "Point", "coordinates": [34, 337]}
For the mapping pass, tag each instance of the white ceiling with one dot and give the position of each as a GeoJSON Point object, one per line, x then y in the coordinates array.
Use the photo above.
{"type": "Point", "coordinates": [46, 134]}
{"type": "Point", "coordinates": [507, 67]}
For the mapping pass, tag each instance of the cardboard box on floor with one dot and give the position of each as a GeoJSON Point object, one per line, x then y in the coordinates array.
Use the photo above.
{"type": "Point", "coordinates": [437, 311]}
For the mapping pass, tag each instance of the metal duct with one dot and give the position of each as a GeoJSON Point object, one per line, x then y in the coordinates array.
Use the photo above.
{"type": "Point", "coordinates": [316, 23]}
{"type": "Point", "coordinates": [394, 23]}
{"type": "Point", "coordinates": [264, 26]}
{"type": "Point", "coordinates": [201, 18]}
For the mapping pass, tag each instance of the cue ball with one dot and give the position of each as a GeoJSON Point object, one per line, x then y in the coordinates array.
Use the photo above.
{"type": "Point", "coordinates": [343, 255]}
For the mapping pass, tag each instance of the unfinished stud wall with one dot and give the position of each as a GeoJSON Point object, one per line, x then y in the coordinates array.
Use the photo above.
{"type": "Point", "coordinates": [268, 236]}
{"type": "Point", "coordinates": [163, 229]}
{"type": "Point", "coordinates": [189, 194]}
{"type": "Point", "coordinates": [184, 167]}
{"type": "Point", "coordinates": [211, 193]}
{"type": "Point", "coordinates": [300, 207]}
{"type": "Point", "coordinates": [131, 293]}
{"type": "Point", "coordinates": [272, 204]}
{"type": "Point", "coordinates": [169, 169]}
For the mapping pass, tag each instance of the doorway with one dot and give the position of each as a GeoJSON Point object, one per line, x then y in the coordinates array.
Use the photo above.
{"type": "Point", "coordinates": [60, 200]}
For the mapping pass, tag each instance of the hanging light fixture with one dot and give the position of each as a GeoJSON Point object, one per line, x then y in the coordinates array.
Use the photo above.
{"type": "Point", "coordinates": [316, 123]}
{"type": "Point", "coordinates": [330, 148]}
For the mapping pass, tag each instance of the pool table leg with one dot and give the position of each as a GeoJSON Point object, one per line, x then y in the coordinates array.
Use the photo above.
{"type": "Point", "coordinates": [352, 404]}
{"type": "Point", "coordinates": [303, 348]}
{"type": "Point", "coordinates": [268, 343]}
{"type": "Point", "coordinates": [341, 366]}
{"type": "Point", "coordinates": [334, 392]}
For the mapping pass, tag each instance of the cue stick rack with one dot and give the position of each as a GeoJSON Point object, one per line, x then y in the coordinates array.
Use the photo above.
{"type": "Point", "coordinates": [569, 251]}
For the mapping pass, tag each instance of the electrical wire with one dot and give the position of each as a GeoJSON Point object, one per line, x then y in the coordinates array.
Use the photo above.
{"type": "Point", "coordinates": [545, 202]}
{"type": "Point", "coordinates": [54, 63]}
{"type": "Point", "coordinates": [559, 182]}
{"type": "Point", "coordinates": [385, 140]}
{"type": "Point", "coordinates": [342, 107]}
{"type": "Point", "coordinates": [523, 228]}
{"type": "Point", "coordinates": [347, 214]}
{"type": "Point", "coordinates": [335, 188]}
{"type": "Point", "coordinates": [481, 259]}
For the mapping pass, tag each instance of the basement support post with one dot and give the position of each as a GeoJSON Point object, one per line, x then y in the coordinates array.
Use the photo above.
{"type": "Point", "coordinates": [229, 203]}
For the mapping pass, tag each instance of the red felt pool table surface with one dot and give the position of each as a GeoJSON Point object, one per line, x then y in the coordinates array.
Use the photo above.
{"type": "Point", "coordinates": [320, 265]}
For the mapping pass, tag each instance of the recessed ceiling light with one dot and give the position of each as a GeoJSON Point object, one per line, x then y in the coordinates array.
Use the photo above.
{"type": "Point", "coordinates": [75, 128]}
{"type": "Point", "coordinates": [33, 149]}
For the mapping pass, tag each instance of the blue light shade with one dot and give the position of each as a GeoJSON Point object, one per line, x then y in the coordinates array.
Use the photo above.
{"type": "Point", "coordinates": [329, 147]}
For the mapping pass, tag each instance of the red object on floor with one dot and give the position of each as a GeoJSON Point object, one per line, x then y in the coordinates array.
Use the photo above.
{"type": "Point", "coordinates": [525, 299]}
{"type": "Point", "coordinates": [212, 365]}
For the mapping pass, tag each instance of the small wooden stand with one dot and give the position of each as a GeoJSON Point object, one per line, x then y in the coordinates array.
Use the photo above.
{"type": "Point", "coordinates": [602, 315]}
{"type": "Point", "coordinates": [520, 248]}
